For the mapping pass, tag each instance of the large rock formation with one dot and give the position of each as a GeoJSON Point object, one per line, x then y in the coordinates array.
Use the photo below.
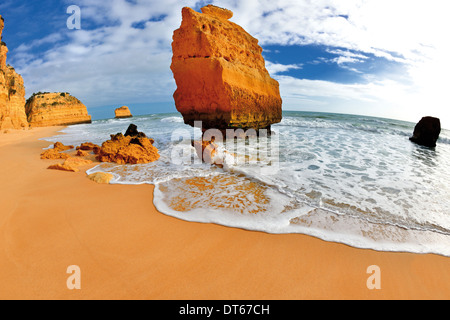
{"type": "Point", "coordinates": [12, 92]}
{"type": "Point", "coordinates": [123, 112]}
{"type": "Point", "coordinates": [427, 131]}
{"type": "Point", "coordinates": [220, 73]}
{"type": "Point", "coordinates": [55, 109]}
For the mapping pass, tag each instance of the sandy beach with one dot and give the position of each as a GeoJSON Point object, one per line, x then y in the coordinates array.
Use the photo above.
{"type": "Point", "coordinates": [126, 249]}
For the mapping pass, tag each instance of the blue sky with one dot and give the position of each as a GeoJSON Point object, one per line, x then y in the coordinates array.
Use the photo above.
{"type": "Point", "coordinates": [373, 57]}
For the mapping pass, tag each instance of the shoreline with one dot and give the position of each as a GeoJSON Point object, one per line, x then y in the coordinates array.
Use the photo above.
{"type": "Point", "coordinates": [126, 249]}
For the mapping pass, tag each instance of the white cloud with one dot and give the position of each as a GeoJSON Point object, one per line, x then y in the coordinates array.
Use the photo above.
{"type": "Point", "coordinates": [50, 39]}
{"type": "Point", "coordinates": [345, 57]}
{"type": "Point", "coordinates": [276, 68]}
{"type": "Point", "coordinates": [389, 29]}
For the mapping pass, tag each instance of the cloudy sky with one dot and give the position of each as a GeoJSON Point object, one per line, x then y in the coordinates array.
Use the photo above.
{"type": "Point", "coordinates": [387, 58]}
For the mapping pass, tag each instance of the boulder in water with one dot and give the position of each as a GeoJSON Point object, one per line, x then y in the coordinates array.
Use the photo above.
{"type": "Point", "coordinates": [426, 132]}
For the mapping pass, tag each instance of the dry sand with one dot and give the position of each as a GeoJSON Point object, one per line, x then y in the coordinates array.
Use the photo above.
{"type": "Point", "coordinates": [126, 249]}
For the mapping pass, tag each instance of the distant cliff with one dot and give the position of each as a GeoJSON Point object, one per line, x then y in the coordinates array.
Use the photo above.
{"type": "Point", "coordinates": [12, 92]}
{"type": "Point", "coordinates": [55, 109]}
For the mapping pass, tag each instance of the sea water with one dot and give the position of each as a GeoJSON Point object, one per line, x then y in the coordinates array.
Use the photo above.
{"type": "Point", "coordinates": [356, 180]}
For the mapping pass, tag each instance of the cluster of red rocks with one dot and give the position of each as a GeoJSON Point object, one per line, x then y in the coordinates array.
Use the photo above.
{"type": "Point", "coordinates": [132, 148]}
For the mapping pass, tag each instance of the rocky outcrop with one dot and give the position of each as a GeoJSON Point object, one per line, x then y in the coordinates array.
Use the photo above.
{"type": "Point", "coordinates": [426, 132]}
{"type": "Point", "coordinates": [123, 112]}
{"type": "Point", "coordinates": [12, 93]}
{"type": "Point", "coordinates": [128, 149]}
{"type": "Point", "coordinates": [220, 74]}
{"type": "Point", "coordinates": [55, 109]}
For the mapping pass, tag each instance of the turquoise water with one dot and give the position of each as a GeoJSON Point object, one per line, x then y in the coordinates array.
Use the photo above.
{"type": "Point", "coordinates": [351, 179]}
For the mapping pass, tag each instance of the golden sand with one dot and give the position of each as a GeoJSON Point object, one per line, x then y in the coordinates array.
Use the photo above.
{"type": "Point", "coordinates": [126, 249]}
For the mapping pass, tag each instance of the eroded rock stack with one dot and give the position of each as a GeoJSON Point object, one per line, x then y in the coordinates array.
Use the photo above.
{"type": "Point", "coordinates": [12, 92]}
{"type": "Point", "coordinates": [220, 74]}
{"type": "Point", "coordinates": [55, 109]}
{"type": "Point", "coordinates": [123, 112]}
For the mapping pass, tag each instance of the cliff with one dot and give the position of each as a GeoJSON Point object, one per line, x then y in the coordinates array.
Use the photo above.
{"type": "Point", "coordinates": [220, 73]}
{"type": "Point", "coordinates": [55, 109]}
{"type": "Point", "coordinates": [123, 112]}
{"type": "Point", "coordinates": [12, 92]}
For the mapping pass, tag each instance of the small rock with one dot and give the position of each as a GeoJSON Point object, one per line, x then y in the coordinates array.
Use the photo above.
{"type": "Point", "coordinates": [58, 146]}
{"type": "Point", "coordinates": [63, 167]}
{"type": "Point", "coordinates": [52, 154]}
{"type": "Point", "coordinates": [88, 146]}
{"type": "Point", "coordinates": [81, 153]}
{"type": "Point", "coordinates": [76, 162]}
{"type": "Point", "coordinates": [101, 177]}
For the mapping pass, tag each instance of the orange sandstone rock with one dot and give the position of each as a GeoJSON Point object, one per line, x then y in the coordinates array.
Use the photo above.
{"type": "Point", "coordinates": [123, 112]}
{"type": "Point", "coordinates": [220, 74]}
{"type": "Point", "coordinates": [52, 154]}
{"type": "Point", "coordinates": [128, 150]}
{"type": "Point", "coordinates": [70, 164]}
{"type": "Point", "coordinates": [58, 146]}
{"type": "Point", "coordinates": [101, 177]}
{"type": "Point", "coordinates": [88, 146]}
{"type": "Point", "coordinates": [63, 167]}
{"type": "Point", "coordinates": [76, 162]}
{"type": "Point", "coordinates": [12, 93]}
{"type": "Point", "coordinates": [55, 109]}
{"type": "Point", "coordinates": [55, 153]}
{"type": "Point", "coordinates": [81, 153]}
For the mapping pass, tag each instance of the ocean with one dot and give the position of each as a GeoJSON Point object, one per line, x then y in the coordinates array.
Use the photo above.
{"type": "Point", "coordinates": [351, 179]}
